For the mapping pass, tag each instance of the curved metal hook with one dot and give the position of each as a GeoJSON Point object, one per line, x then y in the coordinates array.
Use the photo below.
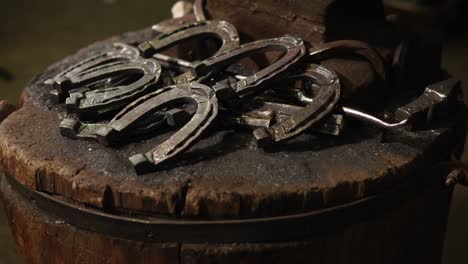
{"type": "Point", "coordinates": [322, 104]}
{"type": "Point", "coordinates": [193, 93]}
{"type": "Point", "coordinates": [221, 30]}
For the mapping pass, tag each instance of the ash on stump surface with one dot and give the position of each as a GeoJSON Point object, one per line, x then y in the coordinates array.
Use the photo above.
{"type": "Point", "coordinates": [225, 176]}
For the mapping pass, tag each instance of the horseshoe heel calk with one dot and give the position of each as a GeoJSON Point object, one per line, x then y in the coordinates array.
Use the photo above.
{"type": "Point", "coordinates": [62, 85]}
{"type": "Point", "coordinates": [68, 128]}
{"type": "Point", "coordinates": [74, 129]}
{"type": "Point", "coordinates": [141, 163]}
{"type": "Point", "coordinates": [106, 135]}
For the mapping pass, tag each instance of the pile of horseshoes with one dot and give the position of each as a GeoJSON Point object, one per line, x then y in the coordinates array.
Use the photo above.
{"type": "Point", "coordinates": [126, 91]}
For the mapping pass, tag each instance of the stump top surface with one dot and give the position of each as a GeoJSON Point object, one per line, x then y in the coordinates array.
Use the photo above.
{"type": "Point", "coordinates": [223, 176]}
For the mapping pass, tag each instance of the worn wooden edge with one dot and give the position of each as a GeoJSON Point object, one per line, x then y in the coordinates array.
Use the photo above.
{"type": "Point", "coordinates": [42, 238]}
{"type": "Point", "coordinates": [411, 232]}
{"type": "Point", "coordinates": [288, 227]}
{"type": "Point", "coordinates": [6, 109]}
{"type": "Point", "coordinates": [55, 177]}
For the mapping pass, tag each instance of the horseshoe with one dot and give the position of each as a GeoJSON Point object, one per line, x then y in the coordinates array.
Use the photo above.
{"type": "Point", "coordinates": [343, 47]}
{"type": "Point", "coordinates": [292, 47]}
{"type": "Point", "coordinates": [117, 53]}
{"type": "Point", "coordinates": [193, 93]}
{"type": "Point", "coordinates": [322, 105]}
{"type": "Point", "coordinates": [100, 82]}
{"type": "Point", "coordinates": [221, 30]}
{"type": "Point", "coordinates": [102, 98]}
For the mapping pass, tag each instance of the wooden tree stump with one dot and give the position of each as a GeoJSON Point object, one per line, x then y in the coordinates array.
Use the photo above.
{"type": "Point", "coordinates": [365, 200]}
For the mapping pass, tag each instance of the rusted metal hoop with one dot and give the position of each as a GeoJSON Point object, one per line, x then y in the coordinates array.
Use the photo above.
{"type": "Point", "coordinates": [269, 229]}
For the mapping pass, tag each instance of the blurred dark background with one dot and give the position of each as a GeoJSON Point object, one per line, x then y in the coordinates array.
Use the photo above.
{"type": "Point", "coordinates": [34, 34]}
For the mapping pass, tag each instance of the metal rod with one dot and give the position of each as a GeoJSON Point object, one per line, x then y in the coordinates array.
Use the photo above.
{"type": "Point", "coordinates": [372, 119]}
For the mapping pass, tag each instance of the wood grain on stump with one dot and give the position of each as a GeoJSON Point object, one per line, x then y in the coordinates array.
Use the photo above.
{"type": "Point", "coordinates": [411, 233]}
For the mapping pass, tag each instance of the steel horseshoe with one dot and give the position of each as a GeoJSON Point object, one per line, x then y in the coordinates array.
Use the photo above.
{"type": "Point", "coordinates": [293, 50]}
{"type": "Point", "coordinates": [117, 53]}
{"type": "Point", "coordinates": [193, 93]}
{"type": "Point", "coordinates": [221, 30]}
{"type": "Point", "coordinates": [107, 80]}
{"type": "Point", "coordinates": [312, 113]}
